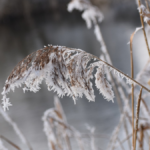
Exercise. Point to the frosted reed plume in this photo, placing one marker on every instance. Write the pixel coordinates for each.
(58, 131)
(93, 19)
(66, 71)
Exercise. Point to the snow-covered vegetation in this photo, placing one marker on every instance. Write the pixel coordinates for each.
(71, 72)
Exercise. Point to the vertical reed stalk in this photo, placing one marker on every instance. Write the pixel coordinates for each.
(142, 22)
(132, 92)
(133, 115)
(141, 137)
(137, 116)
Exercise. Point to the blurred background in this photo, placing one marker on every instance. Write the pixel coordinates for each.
(28, 25)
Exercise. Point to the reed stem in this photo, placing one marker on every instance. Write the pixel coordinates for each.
(137, 116)
(132, 92)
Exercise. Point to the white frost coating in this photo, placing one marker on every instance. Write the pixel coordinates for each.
(107, 70)
(2, 147)
(91, 14)
(14, 125)
(97, 33)
(137, 29)
(57, 129)
(59, 108)
(103, 85)
(75, 4)
(66, 71)
(99, 37)
(145, 13)
(126, 107)
(48, 129)
(92, 143)
(143, 76)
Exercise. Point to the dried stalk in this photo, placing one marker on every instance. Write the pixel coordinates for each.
(137, 116)
(11, 143)
(141, 137)
(132, 93)
(142, 22)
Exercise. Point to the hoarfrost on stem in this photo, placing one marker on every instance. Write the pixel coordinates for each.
(66, 71)
(145, 13)
(91, 14)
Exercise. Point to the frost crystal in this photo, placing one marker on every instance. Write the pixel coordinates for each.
(103, 85)
(91, 14)
(66, 71)
(145, 13)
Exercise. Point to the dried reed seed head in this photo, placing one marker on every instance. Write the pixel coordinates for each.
(65, 70)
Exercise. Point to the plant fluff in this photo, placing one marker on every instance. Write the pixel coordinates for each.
(66, 71)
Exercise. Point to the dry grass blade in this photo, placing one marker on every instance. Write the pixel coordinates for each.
(141, 137)
(11, 143)
(137, 116)
(132, 92)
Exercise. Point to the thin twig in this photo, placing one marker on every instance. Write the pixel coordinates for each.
(142, 22)
(133, 114)
(137, 116)
(132, 92)
(141, 137)
(11, 143)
